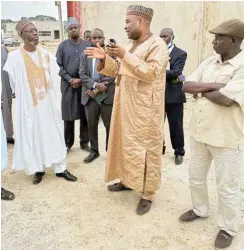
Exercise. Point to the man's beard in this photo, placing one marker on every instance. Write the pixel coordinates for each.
(75, 36)
(32, 43)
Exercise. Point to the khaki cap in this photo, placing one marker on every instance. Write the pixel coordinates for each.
(232, 28)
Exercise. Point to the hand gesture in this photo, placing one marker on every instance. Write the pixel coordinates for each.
(95, 52)
(115, 50)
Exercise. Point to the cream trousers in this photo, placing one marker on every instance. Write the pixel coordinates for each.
(228, 163)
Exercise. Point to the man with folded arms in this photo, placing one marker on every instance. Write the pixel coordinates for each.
(216, 130)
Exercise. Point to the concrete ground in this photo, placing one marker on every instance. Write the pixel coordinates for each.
(59, 215)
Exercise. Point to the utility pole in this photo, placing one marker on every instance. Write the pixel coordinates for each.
(58, 4)
(74, 10)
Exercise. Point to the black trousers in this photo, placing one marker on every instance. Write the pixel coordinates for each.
(174, 113)
(93, 111)
(69, 131)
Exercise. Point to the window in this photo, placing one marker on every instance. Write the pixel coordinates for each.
(44, 33)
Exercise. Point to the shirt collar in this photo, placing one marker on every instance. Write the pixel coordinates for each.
(235, 61)
(171, 48)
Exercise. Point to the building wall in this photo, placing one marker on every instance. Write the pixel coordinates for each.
(42, 26)
(10, 30)
(47, 27)
(189, 20)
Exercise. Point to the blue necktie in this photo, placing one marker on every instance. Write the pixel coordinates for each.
(95, 76)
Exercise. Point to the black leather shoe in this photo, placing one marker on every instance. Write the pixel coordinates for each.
(67, 176)
(178, 159)
(38, 177)
(91, 157)
(85, 147)
(10, 140)
(164, 149)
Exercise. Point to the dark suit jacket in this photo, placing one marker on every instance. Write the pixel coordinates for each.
(173, 92)
(86, 72)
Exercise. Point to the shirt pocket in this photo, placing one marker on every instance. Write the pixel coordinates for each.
(225, 75)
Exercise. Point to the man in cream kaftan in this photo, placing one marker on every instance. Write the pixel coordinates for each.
(135, 145)
(34, 79)
(136, 131)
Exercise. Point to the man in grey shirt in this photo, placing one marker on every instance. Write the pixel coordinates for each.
(6, 97)
(68, 59)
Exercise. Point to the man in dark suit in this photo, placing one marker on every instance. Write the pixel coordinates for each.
(97, 96)
(87, 35)
(174, 96)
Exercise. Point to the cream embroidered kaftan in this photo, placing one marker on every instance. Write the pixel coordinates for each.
(39, 136)
(136, 131)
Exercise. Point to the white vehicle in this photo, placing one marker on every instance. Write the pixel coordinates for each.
(11, 42)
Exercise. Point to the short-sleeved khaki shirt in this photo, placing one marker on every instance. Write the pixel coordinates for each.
(214, 124)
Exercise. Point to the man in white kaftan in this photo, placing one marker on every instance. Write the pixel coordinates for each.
(34, 78)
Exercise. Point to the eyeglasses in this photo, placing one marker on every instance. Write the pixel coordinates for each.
(73, 28)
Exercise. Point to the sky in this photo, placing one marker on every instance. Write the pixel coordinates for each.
(16, 9)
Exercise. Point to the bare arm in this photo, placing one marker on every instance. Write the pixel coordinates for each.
(199, 87)
(218, 98)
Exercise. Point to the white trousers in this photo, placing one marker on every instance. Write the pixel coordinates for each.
(58, 167)
(228, 163)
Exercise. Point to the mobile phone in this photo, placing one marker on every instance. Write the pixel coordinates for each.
(112, 41)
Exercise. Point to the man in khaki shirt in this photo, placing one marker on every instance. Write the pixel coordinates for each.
(217, 130)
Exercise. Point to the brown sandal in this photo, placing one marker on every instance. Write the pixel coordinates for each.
(143, 207)
(223, 240)
(6, 195)
(116, 187)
